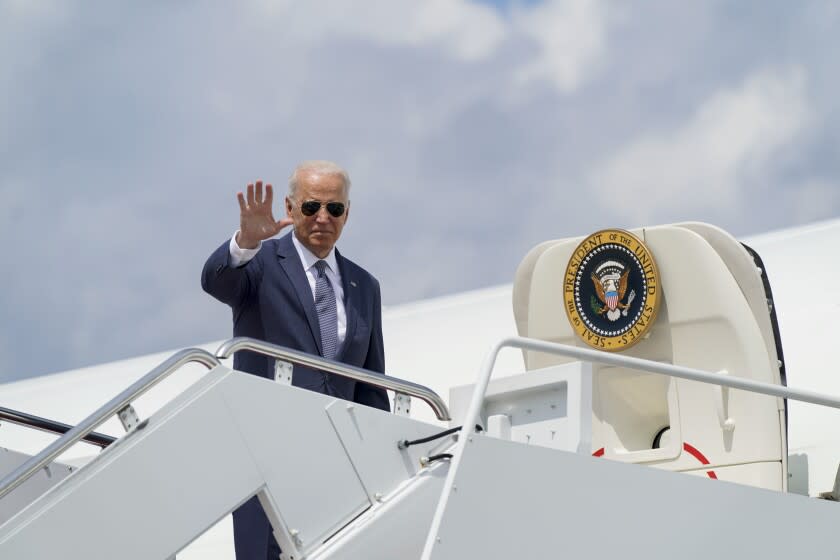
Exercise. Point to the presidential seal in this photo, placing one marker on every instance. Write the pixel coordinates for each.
(611, 290)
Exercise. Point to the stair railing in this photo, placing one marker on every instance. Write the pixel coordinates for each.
(595, 356)
(51, 426)
(403, 389)
(120, 405)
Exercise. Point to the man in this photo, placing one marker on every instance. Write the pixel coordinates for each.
(299, 292)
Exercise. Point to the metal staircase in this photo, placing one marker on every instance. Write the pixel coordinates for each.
(335, 483)
(315, 462)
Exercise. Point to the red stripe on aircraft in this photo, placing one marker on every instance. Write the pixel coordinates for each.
(688, 447)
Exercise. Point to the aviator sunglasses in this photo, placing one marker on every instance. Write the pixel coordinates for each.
(311, 207)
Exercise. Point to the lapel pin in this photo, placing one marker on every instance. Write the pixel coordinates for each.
(352, 283)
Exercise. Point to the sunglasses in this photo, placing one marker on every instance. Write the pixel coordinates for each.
(311, 207)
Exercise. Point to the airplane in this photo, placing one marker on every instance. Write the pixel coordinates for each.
(751, 315)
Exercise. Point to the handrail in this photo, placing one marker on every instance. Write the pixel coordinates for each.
(377, 379)
(666, 369)
(51, 426)
(118, 403)
(586, 354)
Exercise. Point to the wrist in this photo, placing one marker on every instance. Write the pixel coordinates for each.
(245, 243)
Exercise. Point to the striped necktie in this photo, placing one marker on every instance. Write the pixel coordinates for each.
(327, 313)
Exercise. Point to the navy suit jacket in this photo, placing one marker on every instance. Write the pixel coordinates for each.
(272, 301)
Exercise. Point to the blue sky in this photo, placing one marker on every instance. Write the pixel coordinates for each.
(472, 131)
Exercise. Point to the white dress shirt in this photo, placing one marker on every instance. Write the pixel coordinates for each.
(240, 256)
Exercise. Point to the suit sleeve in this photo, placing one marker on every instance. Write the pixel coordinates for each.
(229, 284)
(375, 361)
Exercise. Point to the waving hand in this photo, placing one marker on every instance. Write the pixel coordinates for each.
(256, 220)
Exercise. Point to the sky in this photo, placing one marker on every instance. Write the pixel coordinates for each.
(472, 130)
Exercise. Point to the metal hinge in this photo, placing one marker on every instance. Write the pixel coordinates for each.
(402, 404)
(283, 372)
(128, 417)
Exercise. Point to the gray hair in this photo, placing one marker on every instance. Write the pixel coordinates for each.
(320, 167)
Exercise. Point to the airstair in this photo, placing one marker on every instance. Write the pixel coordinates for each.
(336, 483)
(555, 461)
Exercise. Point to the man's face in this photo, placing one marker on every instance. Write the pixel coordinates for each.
(320, 231)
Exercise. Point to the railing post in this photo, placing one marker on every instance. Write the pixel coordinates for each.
(402, 404)
(283, 372)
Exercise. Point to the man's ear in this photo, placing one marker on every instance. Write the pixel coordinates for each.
(288, 207)
(347, 212)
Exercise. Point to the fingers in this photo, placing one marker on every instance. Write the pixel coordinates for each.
(250, 194)
(254, 196)
(269, 195)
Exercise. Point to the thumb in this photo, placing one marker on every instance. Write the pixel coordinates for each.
(280, 224)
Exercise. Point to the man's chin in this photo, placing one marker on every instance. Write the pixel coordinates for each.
(320, 244)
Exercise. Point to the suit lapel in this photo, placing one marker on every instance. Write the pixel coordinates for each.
(290, 262)
(350, 284)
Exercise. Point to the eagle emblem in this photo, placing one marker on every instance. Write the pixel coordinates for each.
(611, 290)
(611, 282)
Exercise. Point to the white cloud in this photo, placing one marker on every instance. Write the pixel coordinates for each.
(705, 162)
(472, 31)
(467, 30)
(571, 35)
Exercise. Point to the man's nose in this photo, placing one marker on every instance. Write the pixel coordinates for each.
(322, 215)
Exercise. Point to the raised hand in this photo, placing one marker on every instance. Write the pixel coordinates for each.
(256, 221)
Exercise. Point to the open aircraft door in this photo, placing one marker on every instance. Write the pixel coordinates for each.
(686, 294)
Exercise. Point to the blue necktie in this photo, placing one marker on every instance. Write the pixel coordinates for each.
(327, 313)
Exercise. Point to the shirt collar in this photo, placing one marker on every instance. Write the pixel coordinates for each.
(308, 258)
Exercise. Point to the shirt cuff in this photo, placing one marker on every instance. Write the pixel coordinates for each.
(240, 256)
